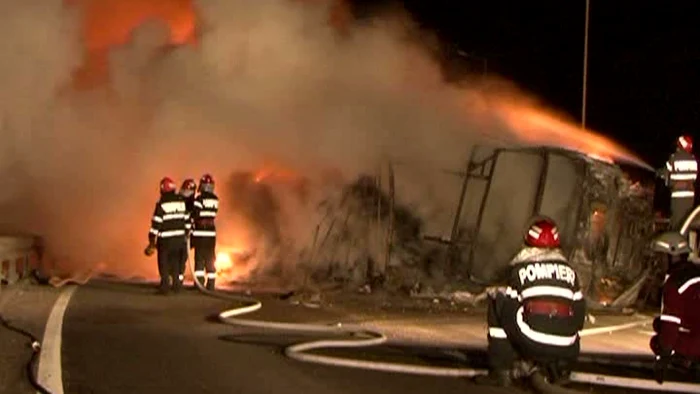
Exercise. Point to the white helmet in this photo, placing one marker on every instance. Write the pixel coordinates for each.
(671, 243)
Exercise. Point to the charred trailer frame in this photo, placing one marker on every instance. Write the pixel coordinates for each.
(605, 219)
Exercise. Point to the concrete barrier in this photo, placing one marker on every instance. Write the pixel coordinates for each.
(15, 255)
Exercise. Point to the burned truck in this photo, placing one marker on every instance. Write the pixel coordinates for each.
(372, 233)
(604, 212)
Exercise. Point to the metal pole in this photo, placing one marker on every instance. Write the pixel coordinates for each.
(585, 67)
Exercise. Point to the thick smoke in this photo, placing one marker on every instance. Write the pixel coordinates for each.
(267, 82)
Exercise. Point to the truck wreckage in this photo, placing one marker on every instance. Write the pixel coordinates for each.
(371, 237)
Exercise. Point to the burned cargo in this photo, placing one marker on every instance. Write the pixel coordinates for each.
(372, 232)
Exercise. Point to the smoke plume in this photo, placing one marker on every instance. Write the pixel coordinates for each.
(267, 83)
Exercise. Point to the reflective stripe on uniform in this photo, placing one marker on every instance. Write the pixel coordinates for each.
(685, 165)
(540, 291)
(173, 216)
(199, 273)
(670, 319)
(158, 219)
(540, 337)
(181, 277)
(172, 233)
(207, 214)
(153, 231)
(497, 332)
(203, 233)
(683, 194)
(687, 284)
(211, 275)
(683, 177)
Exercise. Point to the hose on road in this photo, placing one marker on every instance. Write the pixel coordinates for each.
(361, 338)
(36, 349)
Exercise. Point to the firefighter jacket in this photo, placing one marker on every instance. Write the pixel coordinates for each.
(189, 207)
(680, 174)
(679, 323)
(206, 207)
(552, 308)
(170, 221)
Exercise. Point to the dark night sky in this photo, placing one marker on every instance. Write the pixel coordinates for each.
(644, 59)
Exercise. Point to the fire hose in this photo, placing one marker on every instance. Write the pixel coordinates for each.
(360, 337)
(30, 366)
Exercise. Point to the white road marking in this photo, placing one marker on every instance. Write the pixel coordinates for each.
(49, 371)
(609, 329)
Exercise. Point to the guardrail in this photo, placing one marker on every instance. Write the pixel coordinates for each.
(15, 257)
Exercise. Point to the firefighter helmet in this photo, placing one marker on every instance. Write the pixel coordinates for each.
(542, 233)
(206, 183)
(685, 142)
(189, 186)
(167, 185)
(671, 243)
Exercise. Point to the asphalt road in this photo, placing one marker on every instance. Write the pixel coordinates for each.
(119, 338)
(125, 339)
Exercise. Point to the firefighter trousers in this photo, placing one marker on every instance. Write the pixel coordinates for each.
(172, 256)
(204, 258)
(508, 339)
(680, 209)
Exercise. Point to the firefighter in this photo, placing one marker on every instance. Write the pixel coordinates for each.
(206, 207)
(677, 339)
(187, 191)
(168, 235)
(538, 316)
(679, 175)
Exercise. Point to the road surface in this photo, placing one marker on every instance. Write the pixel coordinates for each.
(119, 338)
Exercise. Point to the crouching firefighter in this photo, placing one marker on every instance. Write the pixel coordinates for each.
(206, 207)
(168, 235)
(187, 191)
(538, 316)
(677, 339)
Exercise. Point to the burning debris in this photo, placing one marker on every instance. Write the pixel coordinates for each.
(366, 238)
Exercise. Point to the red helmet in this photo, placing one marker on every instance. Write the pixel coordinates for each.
(206, 179)
(167, 185)
(206, 183)
(189, 184)
(542, 233)
(685, 142)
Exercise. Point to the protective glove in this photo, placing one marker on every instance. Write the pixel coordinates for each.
(150, 249)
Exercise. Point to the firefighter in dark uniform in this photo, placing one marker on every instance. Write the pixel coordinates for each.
(677, 339)
(206, 207)
(187, 191)
(168, 235)
(680, 174)
(538, 316)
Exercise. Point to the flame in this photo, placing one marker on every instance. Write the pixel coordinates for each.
(108, 23)
(230, 263)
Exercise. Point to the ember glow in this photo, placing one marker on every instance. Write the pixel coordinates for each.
(232, 263)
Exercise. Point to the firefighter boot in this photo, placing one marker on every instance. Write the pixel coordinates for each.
(211, 283)
(164, 287)
(496, 377)
(177, 283)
